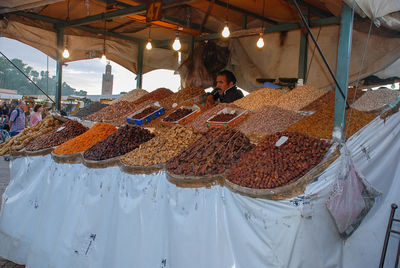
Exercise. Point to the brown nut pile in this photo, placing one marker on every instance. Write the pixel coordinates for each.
(113, 112)
(145, 112)
(260, 98)
(320, 124)
(156, 95)
(269, 166)
(200, 122)
(375, 99)
(223, 117)
(268, 120)
(27, 135)
(124, 140)
(178, 114)
(330, 98)
(211, 154)
(182, 95)
(167, 143)
(299, 97)
(131, 96)
(90, 109)
(66, 131)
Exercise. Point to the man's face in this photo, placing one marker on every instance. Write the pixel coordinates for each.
(222, 83)
(22, 105)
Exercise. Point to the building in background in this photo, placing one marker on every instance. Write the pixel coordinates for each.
(108, 78)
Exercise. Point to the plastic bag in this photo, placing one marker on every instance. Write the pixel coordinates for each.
(352, 197)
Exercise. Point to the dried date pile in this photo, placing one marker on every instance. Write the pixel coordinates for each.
(90, 109)
(213, 153)
(182, 95)
(124, 140)
(223, 117)
(145, 112)
(156, 95)
(178, 114)
(66, 131)
(269, 165)
(167, 143)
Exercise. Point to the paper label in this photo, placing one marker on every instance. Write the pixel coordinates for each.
(281, 141)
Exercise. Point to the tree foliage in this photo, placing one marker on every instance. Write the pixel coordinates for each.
(11, 78)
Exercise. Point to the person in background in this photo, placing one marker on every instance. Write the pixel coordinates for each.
(37, 114)
(226, 90)
(4, 111)
(17, 119)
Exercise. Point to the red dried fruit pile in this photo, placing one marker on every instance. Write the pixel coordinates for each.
(269, 166)
(222, 117)
(145, 113)
(178, 114)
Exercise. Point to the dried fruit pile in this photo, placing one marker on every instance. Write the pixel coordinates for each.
(268, 120)
(131, 96)
(299, 97)
(200, 122)
(375, 99)
(112, 113)
(145, 112)
(330, 98)
(182, 95)
(97, 133)
(223, 117)
(269, 166)
(211, 154)
(156, 95)
(320, 124)
(27, 135)
(167, 143)
(259, 98)
(90, 109)
(178, 114)
(124, 140)
(66, 131)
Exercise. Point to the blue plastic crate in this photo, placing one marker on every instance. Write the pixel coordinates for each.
(147, 119)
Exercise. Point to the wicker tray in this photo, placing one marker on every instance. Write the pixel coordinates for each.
(112, 162)
(195, 181)
(41, 152)
(140, 169)
(291, 190)
(67, 158)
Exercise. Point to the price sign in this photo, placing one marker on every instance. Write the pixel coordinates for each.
(154, 10)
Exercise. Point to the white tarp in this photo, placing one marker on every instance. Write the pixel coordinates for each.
(66, 215)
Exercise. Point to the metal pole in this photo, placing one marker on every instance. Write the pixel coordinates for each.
(60, 41)
(139, 75)
(303, 56)
(389, 227)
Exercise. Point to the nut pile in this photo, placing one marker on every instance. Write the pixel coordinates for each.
(178, 114)
(330, 98)
(375, 99)
(223, 117)
(156, 95)
(27, 135)
(211, 154)
(166, 144)
(90, 109)
(182, 95)
(299, 97)
(124, 140)
(200, 122)
(131, 96)
(320, 124)
(145, 112)
(268, 120)
(113, 112)
(97, 133)
(66, 131)
(269, 166)
(260, 98)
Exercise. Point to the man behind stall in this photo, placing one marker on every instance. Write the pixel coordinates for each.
(226, 90)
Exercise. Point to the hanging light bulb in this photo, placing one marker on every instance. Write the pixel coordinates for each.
(148, 45)
(177, 44)
(65, 53)
(103, 59)
(260, 42)
(225, 32)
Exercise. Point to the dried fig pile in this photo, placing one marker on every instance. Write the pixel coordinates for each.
(269, 165)
(211, 154)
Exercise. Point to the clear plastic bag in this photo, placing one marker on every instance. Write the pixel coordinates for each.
(352, 197)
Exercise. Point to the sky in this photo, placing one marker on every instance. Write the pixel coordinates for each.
(87, 74)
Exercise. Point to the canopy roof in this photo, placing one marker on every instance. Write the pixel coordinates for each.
(119, 27)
